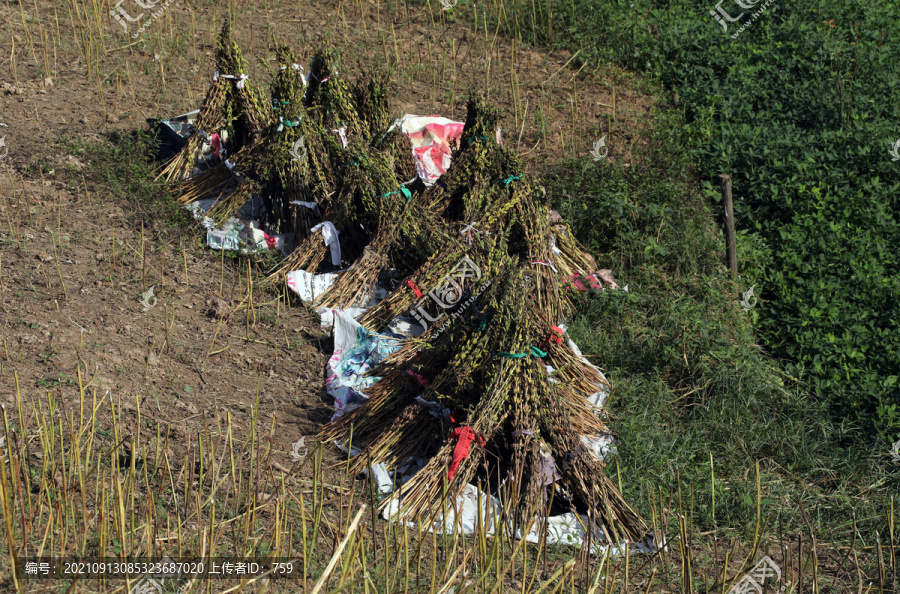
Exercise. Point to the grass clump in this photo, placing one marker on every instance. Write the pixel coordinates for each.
(122, 169)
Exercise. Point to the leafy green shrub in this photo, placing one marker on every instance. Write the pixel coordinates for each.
(690, 384)
(800, 108)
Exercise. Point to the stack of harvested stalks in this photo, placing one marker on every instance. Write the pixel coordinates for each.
(232, 104)
(479, 243)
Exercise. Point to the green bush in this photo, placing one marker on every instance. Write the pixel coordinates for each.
(691, 387)
(801, 109)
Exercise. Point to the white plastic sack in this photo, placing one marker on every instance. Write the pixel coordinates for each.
(309, 286)
(227, 237)
(330, 235)
(601, 445)
(474, 508)
(468, 507)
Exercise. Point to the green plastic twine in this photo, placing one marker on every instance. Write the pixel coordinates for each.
(511, 179)
(403, 191)
(283, 122)
(473, 138)
(510, 355)
(538, 352)
(535, 352)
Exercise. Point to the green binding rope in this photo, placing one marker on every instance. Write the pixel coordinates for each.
(535, 352)
(511, 179)
(484, 323)
(510, 355)
(403, 191)
(288, 123)
(474, 138)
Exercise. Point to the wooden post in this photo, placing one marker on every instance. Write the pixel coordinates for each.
(730, 241)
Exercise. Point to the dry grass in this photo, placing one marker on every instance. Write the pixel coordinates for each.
(84, 475)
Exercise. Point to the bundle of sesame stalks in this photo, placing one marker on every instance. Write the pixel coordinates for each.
(212, 113)
(490, 369)
(378, 218)
(297, 156)
(331, 96)
(231, 104)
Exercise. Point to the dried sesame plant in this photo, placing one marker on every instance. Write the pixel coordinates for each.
(481, 245)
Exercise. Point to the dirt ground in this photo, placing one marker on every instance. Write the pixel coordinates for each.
(71, 304)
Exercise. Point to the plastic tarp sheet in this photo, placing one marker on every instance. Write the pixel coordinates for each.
(352, 359)
(430, 137)
(356, 351)
(474, 508)
(601, 445)
(310, 286)
(240, 234)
